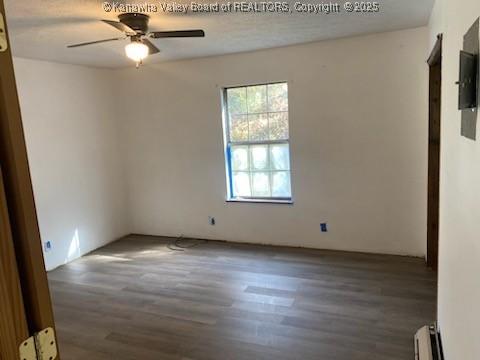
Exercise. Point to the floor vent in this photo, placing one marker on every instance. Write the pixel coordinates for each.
(428, 345)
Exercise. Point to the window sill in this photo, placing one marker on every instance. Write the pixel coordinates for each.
(261, 201)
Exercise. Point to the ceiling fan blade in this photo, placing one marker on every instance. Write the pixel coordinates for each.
(95, 42)
(121, 26)
(177, 34)
(152, 49)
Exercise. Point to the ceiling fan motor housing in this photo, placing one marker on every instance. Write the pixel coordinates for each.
(136, 21)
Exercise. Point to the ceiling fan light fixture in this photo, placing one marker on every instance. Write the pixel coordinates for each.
(134, 27)
(136, 51)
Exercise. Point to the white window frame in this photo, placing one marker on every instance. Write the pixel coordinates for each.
(228, 143)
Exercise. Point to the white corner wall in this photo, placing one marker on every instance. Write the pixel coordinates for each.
(459, 265)
(358, 120)
(70, 124)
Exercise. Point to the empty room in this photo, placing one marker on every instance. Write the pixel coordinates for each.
(239, 180)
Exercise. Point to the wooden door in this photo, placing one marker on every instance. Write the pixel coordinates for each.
(435, 87)
(25, 306)
(13, 321)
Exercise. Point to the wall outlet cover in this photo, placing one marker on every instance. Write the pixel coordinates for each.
(211, 220)
(323, 227)
(47, 246)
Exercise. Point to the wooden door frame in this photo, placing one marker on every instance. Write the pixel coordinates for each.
(434, 130)
(13, 321)
(26, 253)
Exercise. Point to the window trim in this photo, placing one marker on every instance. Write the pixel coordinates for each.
(228, 143)
(257, 200)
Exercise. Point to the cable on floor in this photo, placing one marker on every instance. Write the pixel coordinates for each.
(177, 245)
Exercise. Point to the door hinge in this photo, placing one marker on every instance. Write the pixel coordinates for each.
(3, 34)
(41, 346)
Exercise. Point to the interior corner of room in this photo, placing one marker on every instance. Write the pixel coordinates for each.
(261, 195)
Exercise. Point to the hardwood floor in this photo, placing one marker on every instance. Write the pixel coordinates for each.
(137, 299)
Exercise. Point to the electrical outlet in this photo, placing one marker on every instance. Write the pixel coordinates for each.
(47, 245)
(323, 227)
(211, 220)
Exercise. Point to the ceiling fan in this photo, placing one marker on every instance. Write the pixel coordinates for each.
(135, 27)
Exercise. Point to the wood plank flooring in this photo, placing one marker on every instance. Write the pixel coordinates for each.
(137, 299)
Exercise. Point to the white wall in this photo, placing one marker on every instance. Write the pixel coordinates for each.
(105, 164)
(70, 124)
(459, 267)
(358, 120)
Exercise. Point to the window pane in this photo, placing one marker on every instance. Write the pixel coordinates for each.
(239, 158)
(278, 126)
(257, 99)
(280, 157)
(237, 101)
(281, 184)
(260, 184)
(258, 127)
(238, 127)
(258, 133)
(241, 184)
(259, 157)
(278, 97)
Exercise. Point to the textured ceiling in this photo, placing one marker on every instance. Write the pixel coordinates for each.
(41, 29)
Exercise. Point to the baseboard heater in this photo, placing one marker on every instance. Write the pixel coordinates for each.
(428, 344)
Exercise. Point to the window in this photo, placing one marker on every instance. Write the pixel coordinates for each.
(257, 142)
